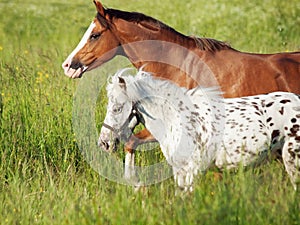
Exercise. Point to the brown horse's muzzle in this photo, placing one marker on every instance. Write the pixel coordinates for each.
(74, 68)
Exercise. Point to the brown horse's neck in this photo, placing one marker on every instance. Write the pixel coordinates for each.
(131, 27)
(165, 52)
(141, 28)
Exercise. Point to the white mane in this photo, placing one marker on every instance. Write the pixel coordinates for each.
(143, 85)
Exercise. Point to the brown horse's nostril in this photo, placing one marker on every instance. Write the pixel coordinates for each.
(76, 64)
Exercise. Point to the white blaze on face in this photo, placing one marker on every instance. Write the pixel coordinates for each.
(67, 63)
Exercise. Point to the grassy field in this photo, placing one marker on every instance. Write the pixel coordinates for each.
(44, 179)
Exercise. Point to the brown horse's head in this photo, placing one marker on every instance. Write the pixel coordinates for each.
(97, 46)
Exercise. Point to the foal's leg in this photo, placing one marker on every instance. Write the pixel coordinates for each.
(130, 175)
(183, 180)
(291, 159)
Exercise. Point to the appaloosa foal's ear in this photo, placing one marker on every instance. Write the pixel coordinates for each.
(100, 8)
(122, 82)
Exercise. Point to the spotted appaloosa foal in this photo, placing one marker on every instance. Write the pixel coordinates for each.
(261, 123)
(199, 128)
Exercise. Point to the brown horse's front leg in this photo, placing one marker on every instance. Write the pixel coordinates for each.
(142, 137)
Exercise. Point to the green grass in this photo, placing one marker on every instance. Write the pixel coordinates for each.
(44, 179)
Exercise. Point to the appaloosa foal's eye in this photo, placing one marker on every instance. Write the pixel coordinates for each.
(117, 109)
(95, 36)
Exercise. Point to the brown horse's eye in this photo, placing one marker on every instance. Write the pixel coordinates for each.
(95, 36)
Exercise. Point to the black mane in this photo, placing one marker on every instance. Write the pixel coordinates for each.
(206, 44)
(138, 18)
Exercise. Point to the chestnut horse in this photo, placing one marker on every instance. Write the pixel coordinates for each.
(114, 32)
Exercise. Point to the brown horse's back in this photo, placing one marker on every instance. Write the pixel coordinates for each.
(237, 73)
(243, 74)
(288, 67)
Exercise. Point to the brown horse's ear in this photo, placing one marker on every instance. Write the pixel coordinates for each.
(122, 82)
(100, 8)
